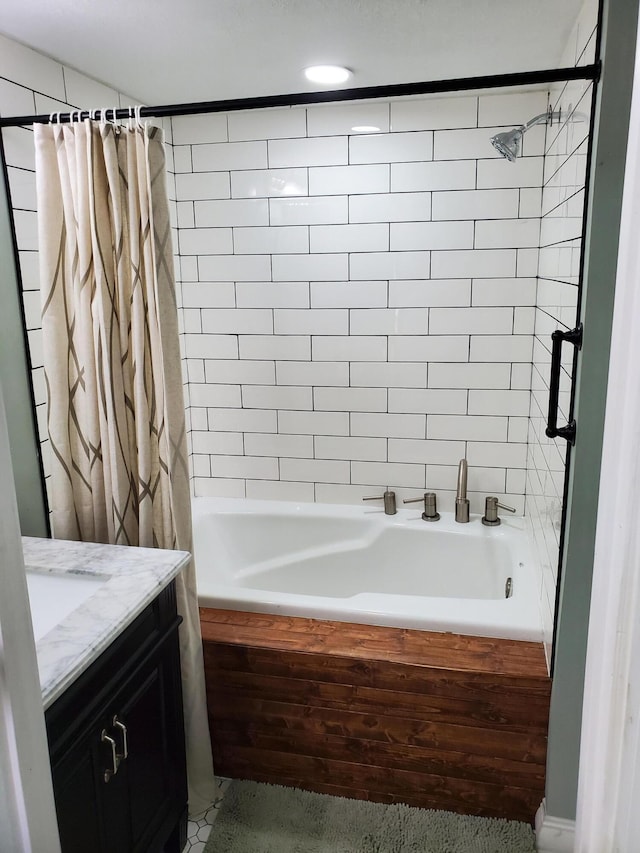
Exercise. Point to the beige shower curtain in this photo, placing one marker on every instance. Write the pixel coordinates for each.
(116, 414)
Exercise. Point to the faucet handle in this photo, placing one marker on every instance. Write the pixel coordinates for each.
(430, 509)
(490, 517)
(389, 499)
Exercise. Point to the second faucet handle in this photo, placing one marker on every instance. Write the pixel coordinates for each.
(491, 517)
(430, 506)
(389, 499)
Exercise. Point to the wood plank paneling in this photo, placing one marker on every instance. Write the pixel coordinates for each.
(443, 792)
(423, 648)
(394, 755)
(384, 714)
(384, 675)
(505, 711)
(517, 746)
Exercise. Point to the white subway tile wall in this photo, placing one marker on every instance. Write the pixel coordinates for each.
(359, 307)
(562, 207)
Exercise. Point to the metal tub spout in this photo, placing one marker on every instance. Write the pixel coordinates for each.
(462, 503)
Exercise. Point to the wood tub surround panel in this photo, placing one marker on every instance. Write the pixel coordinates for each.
(433, 720)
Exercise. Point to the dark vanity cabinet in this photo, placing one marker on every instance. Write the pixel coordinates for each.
(116, 741)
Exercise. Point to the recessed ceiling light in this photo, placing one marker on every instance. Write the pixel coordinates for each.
(329, 75)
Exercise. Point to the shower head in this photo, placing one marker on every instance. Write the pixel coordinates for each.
(508, 142)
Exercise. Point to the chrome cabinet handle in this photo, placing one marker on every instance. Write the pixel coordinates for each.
(118, 724)
(110, 771)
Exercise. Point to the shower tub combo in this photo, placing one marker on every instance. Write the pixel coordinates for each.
(373, 656)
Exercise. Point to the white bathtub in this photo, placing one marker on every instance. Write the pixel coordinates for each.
(355, 564)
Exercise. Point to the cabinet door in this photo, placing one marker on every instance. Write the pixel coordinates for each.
(149, 709)
(92, 812)
(77, 795)
(133, 694)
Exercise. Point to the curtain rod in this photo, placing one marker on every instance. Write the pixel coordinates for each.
(394, 90)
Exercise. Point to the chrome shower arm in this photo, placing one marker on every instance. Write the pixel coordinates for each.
(544, 118)
(509, 141)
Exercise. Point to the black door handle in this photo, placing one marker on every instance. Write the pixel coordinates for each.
(568, 432)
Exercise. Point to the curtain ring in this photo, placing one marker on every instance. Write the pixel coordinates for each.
(132, 114)
(54, 118)
(139, 117)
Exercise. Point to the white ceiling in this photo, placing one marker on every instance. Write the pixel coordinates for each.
(171, 51)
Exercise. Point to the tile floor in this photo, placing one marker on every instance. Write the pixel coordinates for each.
(198, 830)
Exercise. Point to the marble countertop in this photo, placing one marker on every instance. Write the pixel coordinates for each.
(133, 577)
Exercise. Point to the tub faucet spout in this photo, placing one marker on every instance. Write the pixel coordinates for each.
(462, 503)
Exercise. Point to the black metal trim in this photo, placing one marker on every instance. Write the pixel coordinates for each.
(25, 338)
(394, 90)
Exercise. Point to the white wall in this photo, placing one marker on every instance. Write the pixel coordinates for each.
(27, 811)
(563, 198)
(358, 306)
(609, 784)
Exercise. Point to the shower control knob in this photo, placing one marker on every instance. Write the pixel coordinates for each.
(491, 517)
(430, 506)
(389, 499)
